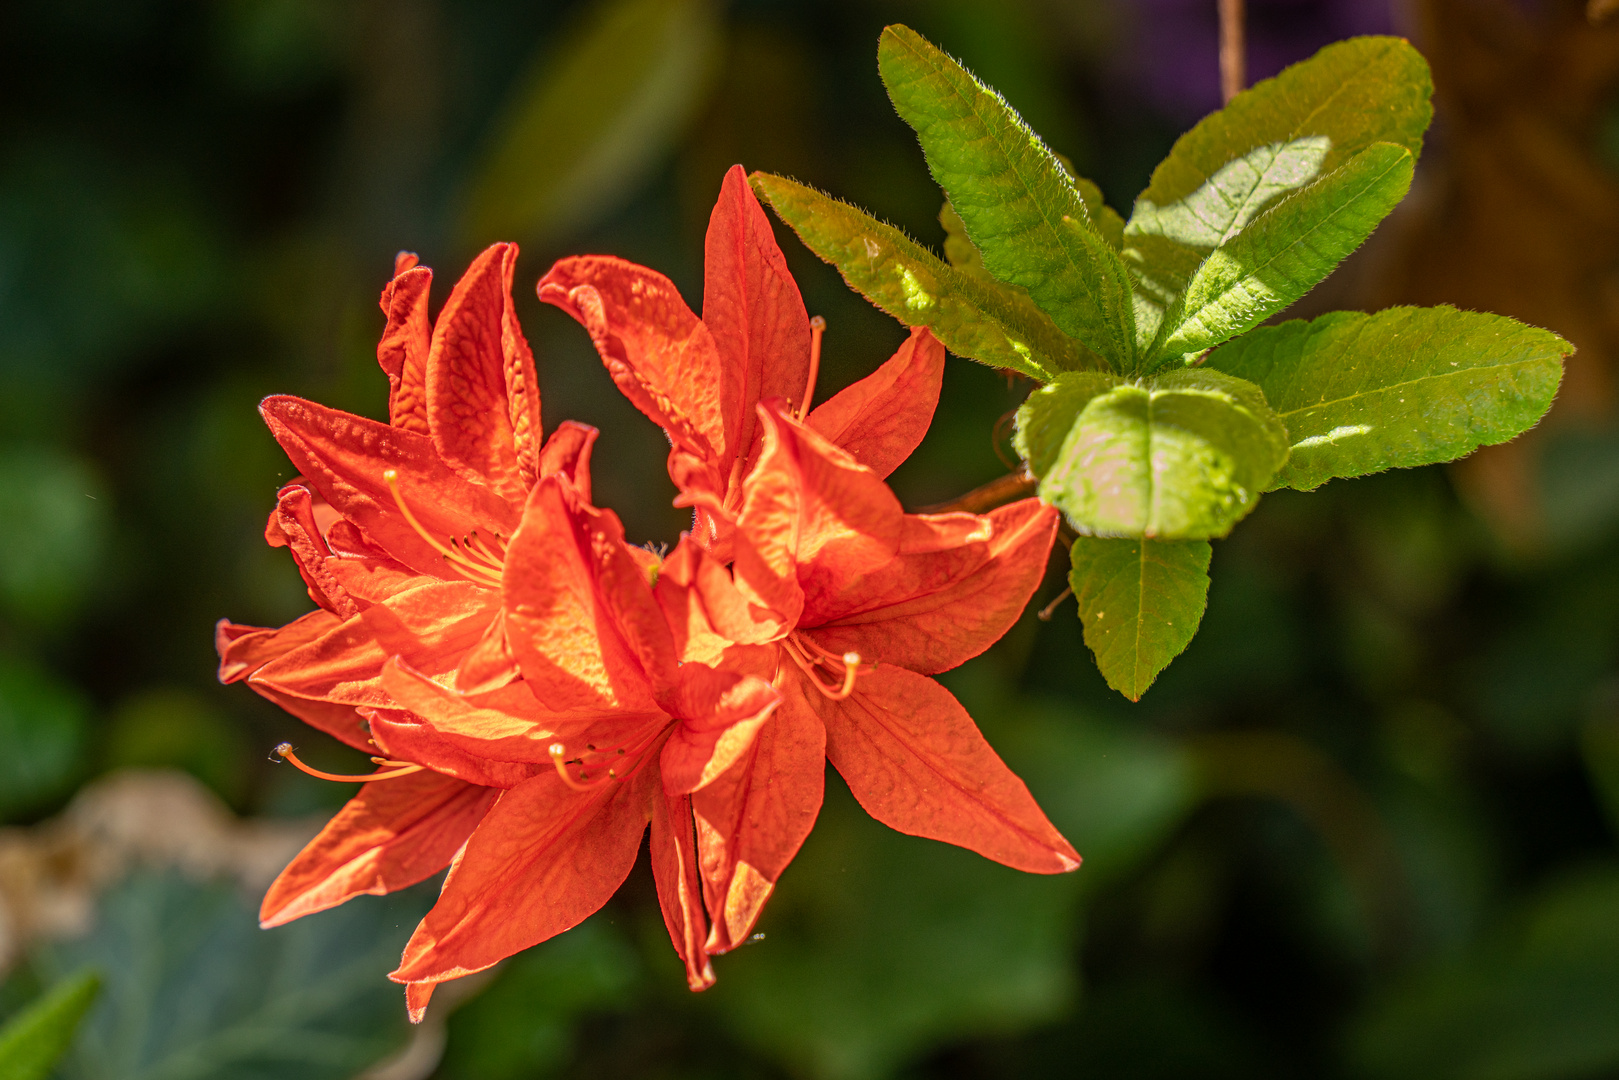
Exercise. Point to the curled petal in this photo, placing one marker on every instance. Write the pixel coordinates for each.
(932, 610)
(344, 458)
(391, 835)
(567, 454)
(660, 354)
(720, 714)
(680, 889)
(403, 737)
(402, 352)
(881, 419)
(916, 761)
(483, 398)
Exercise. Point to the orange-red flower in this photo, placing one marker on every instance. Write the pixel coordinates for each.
(398, 530)
(832, 592)
(625, 736)
(701, 379)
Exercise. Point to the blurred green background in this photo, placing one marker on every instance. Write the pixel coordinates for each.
(1364, 828)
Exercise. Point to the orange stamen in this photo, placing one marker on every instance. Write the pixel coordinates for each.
(404, 768)
(794, 646)
(817, 328)
(487, 573)
(561, 761)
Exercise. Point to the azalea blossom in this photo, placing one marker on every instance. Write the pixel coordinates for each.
(804, 569)
(399, 530)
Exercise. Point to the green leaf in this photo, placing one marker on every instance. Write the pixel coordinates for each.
(1407, 386)
(974, 316)
(1273, 138)
(193, 987)
(593, 116)
(1179, 457)
(1286, 251)
(32, 1041)
(1019, 203)
(1140, 601)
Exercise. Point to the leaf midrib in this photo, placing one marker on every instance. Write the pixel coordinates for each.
(1391, 387)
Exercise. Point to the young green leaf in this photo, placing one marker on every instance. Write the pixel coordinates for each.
(973, 315)
(1140, 601)
(1273, 138)
(1018, 202)
(1180, 457)
(33, 1040)
(1284, 252)
(1407, 386)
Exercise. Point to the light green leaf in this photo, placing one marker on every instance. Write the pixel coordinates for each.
(1407, 386)
(1275, 137)
(1018, 201)
(1140, 601)
(1044, 420)
(33, 1040)
(1179, 457)
(973, 315)
(1284, 252)
(593, 116)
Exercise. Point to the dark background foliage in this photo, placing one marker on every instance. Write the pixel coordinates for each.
(1363, 828)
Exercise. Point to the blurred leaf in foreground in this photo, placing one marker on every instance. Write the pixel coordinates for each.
(42, 727)
(593, 116)
(1539, 1001)
(33, 1040)
(195, 989)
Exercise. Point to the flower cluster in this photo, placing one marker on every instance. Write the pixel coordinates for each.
(536, 691)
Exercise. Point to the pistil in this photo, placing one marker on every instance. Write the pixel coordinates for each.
(817, 328)
(808, 656)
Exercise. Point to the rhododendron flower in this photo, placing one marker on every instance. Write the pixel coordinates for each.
(832, 592)
(626, 735)
(701, 379)
(398, 532)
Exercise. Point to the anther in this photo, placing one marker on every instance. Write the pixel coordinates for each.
(401, 768)
(817, 328)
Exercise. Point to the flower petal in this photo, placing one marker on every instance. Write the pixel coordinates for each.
(483, 398)
(567, 453)
(660, 354)
(753, 819)
(243, 650)
(720, 713)
(402, 352)
(752, 307)
(343, 458)
(580, 615)
(431, 627)
(882, 418)
(400, 736)
(932, 610)
(543, 860)
(680, 890)
(809, 509)
(916, 761)
(391, 835)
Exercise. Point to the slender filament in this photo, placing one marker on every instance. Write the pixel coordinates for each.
(817, 328)
(478, 563)
(798, 649)
(403, 768)
(561, 759)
